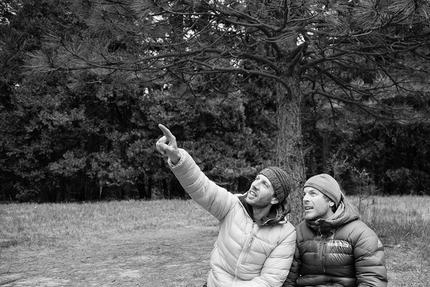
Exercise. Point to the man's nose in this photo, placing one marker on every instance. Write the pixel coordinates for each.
(255, 184)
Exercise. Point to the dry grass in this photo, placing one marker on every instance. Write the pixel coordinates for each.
(168, 242)
(403, 224)
(55, 224)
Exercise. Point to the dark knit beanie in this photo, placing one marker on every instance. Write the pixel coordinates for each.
(326, 185)
(279, 180)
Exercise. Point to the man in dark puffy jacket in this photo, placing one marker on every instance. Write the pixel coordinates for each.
(334, 247)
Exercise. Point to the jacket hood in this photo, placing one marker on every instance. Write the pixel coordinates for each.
(278, 213)
(345, 213)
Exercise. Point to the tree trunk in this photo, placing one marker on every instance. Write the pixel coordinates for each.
(326, 154)
(289, 153)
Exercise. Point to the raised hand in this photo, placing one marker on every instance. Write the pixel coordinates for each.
(167, 146)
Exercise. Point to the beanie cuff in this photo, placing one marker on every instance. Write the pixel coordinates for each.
(279, 181)
(322, 190)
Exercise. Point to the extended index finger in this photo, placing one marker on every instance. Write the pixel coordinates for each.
(167, 133)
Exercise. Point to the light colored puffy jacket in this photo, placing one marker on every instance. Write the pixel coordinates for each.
(245, 254)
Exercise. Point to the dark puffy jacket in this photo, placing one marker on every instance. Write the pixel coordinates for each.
(340, 251)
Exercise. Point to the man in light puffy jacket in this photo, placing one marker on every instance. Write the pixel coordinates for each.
(334, 247)
(255, 244)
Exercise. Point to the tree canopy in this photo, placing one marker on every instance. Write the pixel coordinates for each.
(243, 84)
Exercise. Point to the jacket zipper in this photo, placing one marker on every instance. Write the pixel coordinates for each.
(322, 248)
(246, 247)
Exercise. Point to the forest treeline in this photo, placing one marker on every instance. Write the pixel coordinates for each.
(82, 89)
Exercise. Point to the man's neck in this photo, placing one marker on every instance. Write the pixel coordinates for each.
(258, 213)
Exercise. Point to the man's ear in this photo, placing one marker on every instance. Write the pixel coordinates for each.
(274, 201)
(331, 203)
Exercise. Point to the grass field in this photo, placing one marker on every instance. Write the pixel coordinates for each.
(168, 242)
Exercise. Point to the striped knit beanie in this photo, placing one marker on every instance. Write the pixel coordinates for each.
(279, 180)
(326, 185)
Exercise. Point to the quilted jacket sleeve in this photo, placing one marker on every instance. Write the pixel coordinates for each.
(369, 258)
(294, 270)
(277, 265)
(215, 199)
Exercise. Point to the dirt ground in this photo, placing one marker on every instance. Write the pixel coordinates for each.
(148, 258)
(156, 258)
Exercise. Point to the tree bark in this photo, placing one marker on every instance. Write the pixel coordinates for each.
(289, 153)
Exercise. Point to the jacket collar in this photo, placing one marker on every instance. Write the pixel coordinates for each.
(345, 213)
